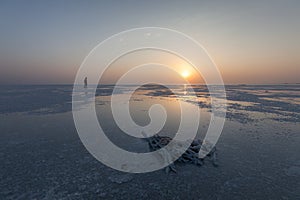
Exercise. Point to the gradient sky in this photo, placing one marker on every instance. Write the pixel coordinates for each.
(254, 42)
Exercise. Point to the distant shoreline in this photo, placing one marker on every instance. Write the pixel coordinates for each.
(252, 84)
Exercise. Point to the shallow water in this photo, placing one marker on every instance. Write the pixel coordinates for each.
(43, 157)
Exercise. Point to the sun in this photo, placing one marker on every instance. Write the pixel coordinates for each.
(185, 74)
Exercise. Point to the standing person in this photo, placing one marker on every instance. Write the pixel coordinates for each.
(85, 82)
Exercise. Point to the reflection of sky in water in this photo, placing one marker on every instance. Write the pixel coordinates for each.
(139, 106)
(245, 102)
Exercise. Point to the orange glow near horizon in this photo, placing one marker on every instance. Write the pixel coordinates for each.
(176, 70)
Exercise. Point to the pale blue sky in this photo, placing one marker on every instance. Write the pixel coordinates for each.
(250, 41)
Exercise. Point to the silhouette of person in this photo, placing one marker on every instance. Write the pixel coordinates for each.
(85, 82)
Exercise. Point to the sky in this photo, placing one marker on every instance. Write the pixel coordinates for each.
(251, 42)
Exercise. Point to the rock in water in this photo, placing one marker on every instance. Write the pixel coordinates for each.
(191, 155)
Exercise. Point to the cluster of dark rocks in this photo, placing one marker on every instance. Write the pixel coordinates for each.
(191, 155)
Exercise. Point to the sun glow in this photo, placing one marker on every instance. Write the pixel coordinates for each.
(185, 74)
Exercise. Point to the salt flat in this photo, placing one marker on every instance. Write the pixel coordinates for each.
(42, 156)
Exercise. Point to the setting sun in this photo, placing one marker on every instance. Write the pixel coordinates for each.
(185, 74)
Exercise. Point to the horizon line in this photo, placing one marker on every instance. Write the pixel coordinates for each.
(132, 84)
